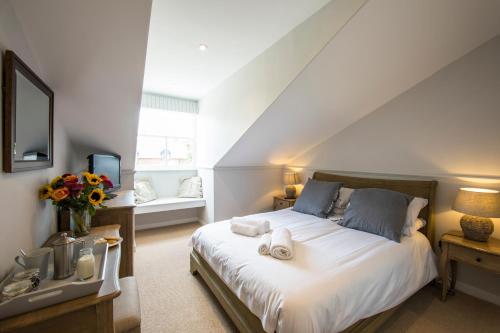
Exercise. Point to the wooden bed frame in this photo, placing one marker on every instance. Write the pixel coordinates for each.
(247, 322)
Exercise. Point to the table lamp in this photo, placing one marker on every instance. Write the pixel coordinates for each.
(479, 205)
(290, 181)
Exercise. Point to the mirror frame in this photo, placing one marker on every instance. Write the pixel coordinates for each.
(13, 63)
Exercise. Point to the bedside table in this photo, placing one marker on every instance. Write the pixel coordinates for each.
(280, 202)
(456, 248)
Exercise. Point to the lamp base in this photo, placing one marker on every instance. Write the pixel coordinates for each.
(476, 228)
(290, 192)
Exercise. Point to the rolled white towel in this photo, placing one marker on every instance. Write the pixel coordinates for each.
(281, 244)
(263, 225)
(244, 229)
(264, 244)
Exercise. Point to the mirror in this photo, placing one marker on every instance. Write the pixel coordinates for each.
(28, 118)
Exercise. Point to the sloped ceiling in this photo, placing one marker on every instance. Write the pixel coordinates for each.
(92, 53)
(444, 125)
(227, 111)
(388, 47)
(235, 31)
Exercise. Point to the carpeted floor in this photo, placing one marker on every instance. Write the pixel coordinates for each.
(172, 300)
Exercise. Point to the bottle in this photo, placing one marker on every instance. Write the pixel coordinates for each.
(85, 265)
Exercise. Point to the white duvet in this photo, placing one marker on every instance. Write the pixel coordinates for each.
(337, 276)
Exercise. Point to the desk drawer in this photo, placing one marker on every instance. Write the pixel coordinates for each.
(476, 258)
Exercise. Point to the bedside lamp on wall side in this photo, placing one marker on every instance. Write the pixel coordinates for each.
(479, 205)
(290, 179)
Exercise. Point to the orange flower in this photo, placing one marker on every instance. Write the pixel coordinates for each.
(71, 178)
(60, 194)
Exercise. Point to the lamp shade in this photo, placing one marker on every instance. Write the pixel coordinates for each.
(478, 202)
(290, 178)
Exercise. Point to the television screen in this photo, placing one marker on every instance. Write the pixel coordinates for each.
(108, 165)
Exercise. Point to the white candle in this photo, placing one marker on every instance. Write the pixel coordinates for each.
(85, 267)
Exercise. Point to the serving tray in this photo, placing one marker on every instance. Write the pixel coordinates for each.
(57, 291)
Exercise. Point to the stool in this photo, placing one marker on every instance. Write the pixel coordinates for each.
(126, 307)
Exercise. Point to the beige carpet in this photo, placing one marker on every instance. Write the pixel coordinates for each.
(173, 300)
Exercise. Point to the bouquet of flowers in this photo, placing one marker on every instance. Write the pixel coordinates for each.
(81, 195)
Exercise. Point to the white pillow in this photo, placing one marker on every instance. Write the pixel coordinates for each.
(414, 208)
(341, 203)
(419, 224)
(144, 191)
(344, 197)
(190, 188)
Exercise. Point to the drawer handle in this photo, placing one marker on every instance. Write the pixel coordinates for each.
(478, 259)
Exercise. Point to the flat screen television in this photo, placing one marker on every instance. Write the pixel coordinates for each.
(106, 164)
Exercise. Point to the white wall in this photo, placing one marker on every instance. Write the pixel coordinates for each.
(227, 111)
(26, 222)
(94, 51)
(236, 31)
(445, 128)
(245, 190)
(385, 49)
(239, 191)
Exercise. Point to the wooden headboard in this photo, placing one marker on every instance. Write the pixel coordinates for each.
(417, 188)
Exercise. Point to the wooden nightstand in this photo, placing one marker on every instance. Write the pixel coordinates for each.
(280, 202)
(456, 248)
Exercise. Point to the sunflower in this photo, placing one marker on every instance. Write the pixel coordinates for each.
(92, 178)
(96, 197)
(45, 192)
(56, 182)
(59, 194)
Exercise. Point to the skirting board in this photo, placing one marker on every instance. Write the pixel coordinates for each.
(164, 223)
(478, 293)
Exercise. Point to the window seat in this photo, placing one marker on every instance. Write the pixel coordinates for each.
(166, 204)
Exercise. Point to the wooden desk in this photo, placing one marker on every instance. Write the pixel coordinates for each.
(120, 211)
(92, 313)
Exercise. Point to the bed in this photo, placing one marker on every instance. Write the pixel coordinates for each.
(340, 279)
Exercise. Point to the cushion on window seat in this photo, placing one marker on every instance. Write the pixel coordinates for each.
(166, 204)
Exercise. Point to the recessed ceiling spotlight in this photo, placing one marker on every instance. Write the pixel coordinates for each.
(203, 47)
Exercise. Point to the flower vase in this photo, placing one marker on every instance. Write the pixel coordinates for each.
(80, 222)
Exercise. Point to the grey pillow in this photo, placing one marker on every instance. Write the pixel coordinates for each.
(377, 211)
(317, 198)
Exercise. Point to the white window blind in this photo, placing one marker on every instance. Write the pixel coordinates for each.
(163, 102)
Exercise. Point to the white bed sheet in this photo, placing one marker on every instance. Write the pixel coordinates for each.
(337, 277)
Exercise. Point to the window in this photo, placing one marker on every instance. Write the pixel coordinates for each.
(166, 139)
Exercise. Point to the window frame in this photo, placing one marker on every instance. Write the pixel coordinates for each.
(190, 167)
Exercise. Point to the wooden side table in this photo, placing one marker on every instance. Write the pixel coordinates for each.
(456, 248)
(280, 202)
